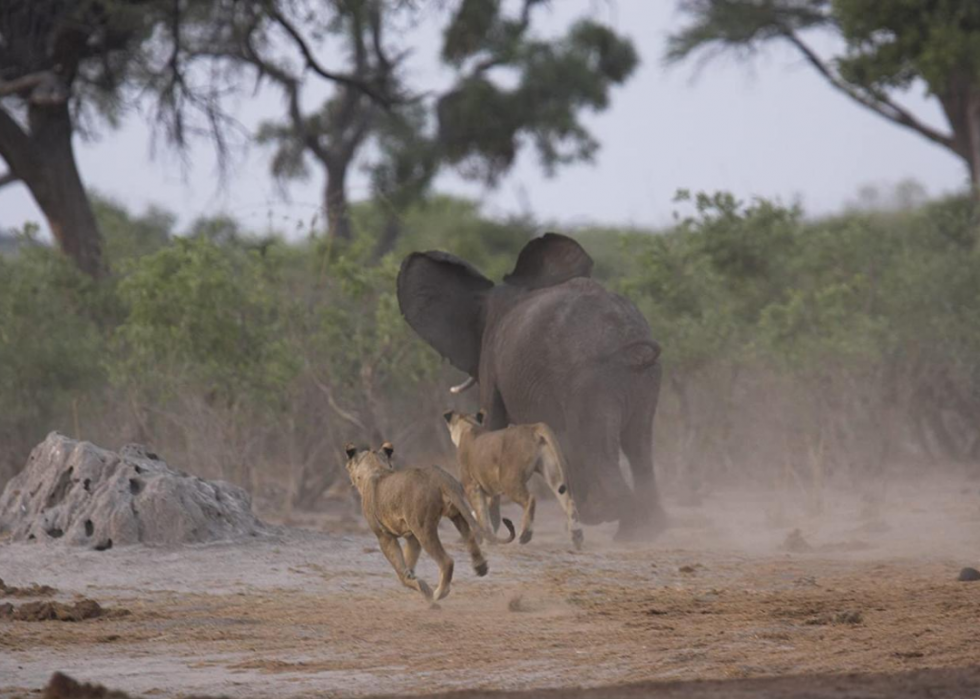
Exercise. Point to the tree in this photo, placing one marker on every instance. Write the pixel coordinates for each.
(887, 47)
(508, 88)
(69, 66)
(333, 135)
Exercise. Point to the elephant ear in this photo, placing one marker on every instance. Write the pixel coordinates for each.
(442, 298)
(549, 260)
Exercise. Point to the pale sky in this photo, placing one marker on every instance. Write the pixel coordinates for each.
(772, 128)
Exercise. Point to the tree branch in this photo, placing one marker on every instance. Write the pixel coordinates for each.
(8, 178)
(15, 145)
(314, 65)
(498, 60)
(291, 86)
(22, 84)
(877, 102)
(43, 87)
(343, 414)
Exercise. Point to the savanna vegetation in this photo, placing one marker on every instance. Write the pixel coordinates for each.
(797, 352)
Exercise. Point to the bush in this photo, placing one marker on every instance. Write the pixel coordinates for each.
(50, 349)
(794, 350)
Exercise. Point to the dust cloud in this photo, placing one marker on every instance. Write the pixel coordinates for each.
(748, 582)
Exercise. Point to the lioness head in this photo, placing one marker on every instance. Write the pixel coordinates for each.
(460, 423)
(363, 464)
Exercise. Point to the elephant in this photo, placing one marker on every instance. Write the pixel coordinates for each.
(550, 344)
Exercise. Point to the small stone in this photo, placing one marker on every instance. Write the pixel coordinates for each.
(969, 575)
(795, 543)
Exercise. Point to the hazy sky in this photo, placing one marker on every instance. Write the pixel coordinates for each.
(774, 129)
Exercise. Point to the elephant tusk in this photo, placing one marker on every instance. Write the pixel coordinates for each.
(463, 386)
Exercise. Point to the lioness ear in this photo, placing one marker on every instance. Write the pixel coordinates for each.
(387, 449)
(448, 416)
(350, 450)
(481, 414)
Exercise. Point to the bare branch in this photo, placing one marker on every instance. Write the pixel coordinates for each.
(8, 178)
(15, 144)
(357, 83)
(498, 60)
(21, 84)
(291, 86)
(43, 87)
(875, 101)
(374, 18)
(343, 414)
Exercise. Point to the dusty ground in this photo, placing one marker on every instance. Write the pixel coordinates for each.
(317, 610)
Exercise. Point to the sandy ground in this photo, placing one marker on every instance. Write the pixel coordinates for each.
(316, 610)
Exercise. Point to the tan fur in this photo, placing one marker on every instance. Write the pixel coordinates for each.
(501, 462)
(410, 504)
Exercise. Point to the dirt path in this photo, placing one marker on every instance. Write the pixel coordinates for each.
(319, 612)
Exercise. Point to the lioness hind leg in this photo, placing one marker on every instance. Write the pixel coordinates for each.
(412, 550)
(469, 536)
(477, 498)
(556, 481)
(523, 498)
(393, 552)
(429, 538)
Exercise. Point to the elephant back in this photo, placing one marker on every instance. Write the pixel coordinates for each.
(575, 323)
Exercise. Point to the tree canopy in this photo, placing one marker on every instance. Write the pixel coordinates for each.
(70, 68)
(509, 88)
(887, 47)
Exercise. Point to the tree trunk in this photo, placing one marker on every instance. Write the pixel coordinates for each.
(335, 201)
(961, 104)
(389, 236)
(53, 179)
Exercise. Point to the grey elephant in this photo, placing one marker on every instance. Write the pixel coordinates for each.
(551, 345)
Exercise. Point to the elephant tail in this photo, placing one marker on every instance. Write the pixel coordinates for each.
(639, 354)
(452, 493)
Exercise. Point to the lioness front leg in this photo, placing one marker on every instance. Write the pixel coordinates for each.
(393, 552)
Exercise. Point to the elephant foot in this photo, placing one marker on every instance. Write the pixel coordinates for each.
(645, 528)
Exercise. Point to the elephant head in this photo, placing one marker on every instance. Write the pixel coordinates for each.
(449, 303)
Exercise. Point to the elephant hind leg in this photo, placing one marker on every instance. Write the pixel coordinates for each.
(646, 517)
(591, 449)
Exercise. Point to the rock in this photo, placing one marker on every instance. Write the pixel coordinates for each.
(34, 590)
(795, 543)
(969, 575)
(64, 687)
(57, 611)
(77, 493)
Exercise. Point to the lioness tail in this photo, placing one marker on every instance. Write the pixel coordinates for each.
(454, 492)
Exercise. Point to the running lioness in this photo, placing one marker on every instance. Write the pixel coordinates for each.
(410, 504)
(501, 462)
